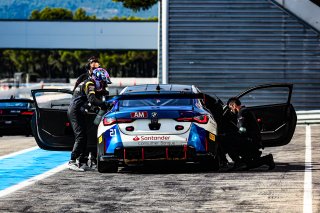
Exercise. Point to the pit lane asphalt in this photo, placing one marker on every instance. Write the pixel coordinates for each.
(10, 144)
(179, 188)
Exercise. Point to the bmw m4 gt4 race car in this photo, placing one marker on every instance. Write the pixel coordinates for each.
(162, 122)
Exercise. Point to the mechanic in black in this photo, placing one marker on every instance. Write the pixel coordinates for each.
(89, 96)
(243, 146)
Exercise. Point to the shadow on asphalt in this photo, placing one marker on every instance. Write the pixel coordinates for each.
(294, 167)
(282, 167)
(166, 168)
(181, 168)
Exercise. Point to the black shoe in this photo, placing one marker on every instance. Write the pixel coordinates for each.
(270, 162)
(224, 166)
(239, 166)
(259, 153)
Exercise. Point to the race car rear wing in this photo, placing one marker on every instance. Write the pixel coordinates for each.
(157, 95)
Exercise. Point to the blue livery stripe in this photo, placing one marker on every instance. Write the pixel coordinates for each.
(197, 138)
(112, 139)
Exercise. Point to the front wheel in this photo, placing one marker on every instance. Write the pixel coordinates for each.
(107, 166)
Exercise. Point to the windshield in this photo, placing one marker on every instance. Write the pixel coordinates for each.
(155, 102)
(4, 105)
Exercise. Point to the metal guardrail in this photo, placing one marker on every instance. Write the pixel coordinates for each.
(308, 117)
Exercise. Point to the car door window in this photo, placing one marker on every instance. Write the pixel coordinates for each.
(266, 96)
(274, 113)
(53, 100)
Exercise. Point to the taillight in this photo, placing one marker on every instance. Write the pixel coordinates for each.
(108, 121)
(27, 113)
(201, 119)
(185, 119)
(124, 120)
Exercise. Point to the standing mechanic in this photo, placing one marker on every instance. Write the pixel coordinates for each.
(89, 95)
(243, 146)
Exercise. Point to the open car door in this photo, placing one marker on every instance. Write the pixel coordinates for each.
(50, 124)
(273, 110)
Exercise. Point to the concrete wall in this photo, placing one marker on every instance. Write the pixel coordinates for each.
(78, 35)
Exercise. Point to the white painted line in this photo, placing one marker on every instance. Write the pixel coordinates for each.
(307, 198)
(30, 181)
(19, 152)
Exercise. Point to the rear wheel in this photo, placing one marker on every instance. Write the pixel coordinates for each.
(107, 166)
(211, 163)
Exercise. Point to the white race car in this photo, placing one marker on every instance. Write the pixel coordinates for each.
(161, 122)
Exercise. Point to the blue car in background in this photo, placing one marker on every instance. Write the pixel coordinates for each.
(166, 122)
(15, 116)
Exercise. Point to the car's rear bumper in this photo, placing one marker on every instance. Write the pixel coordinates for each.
(136, 155)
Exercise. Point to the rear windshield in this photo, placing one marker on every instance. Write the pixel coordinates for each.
(10, 105)
(155, 102)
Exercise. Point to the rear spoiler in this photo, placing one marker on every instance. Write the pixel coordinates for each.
(158, 95)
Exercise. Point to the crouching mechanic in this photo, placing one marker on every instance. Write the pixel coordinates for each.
(89, 95)
(243, 146)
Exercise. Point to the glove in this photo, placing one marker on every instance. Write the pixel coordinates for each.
(99, 117)
(242, 130)
(108, 81)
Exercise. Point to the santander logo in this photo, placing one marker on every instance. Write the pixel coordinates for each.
(152, 138)
(136, 138)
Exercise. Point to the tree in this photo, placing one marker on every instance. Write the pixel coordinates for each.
(7, 68)
(52, 14)
(35, 15)
(60, 14)
(137, 5)
(19, 59)
(133, 18)
(80, 14)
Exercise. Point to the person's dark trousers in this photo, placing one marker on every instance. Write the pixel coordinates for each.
(236, 145)
(260, 161)
(78, 123)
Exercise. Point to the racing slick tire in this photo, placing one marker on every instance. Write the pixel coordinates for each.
(211, 163)
(107, 166)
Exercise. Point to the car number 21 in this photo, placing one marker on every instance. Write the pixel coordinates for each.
(113, 132)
